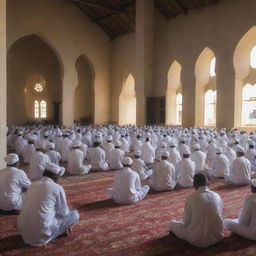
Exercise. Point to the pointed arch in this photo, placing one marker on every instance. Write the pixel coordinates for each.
(205, 81)
(127, 102)
(174, 88)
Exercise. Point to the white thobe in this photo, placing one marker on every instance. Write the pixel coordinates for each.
(54, 156)
(107, 148)
(43, 209)
(28, 152)
(115, 160)
(250, 154)
(140, 167)
(240, 172)
(97, 159)
(183, 148)
(147, 153)
(231, 155)
(202, 224)
(163, 177)
(174, 156)
(37, 165)
(127, 187)
(76, 162)
(125, 146)
(245, 225)
(65, 148)
(20, 144)
(12, 181)
(199, 158)
(220, 166)
(58, 143)
(185, 172)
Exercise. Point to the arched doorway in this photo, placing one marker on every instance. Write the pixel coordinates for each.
(33, 74)
(127, 102)
(84, 93)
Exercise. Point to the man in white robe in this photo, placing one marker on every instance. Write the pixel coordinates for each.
(202, 225)
(76, 160)
(116, 157)
(140, 167)
(20, 144)
(250, 154)
(199, 157)
(127, 187)
(29, 150)
(97, 158)
(45, 214)
(164, 176)
(65, 147)
(230, 154)
(245, 225)
(185, 170)
(174, 155)
(107, 147)
(54, 156)
(12, 183)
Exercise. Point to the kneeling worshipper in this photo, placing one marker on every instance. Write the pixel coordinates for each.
(220, 165)
(76, 160)
(202, 225)
(185, 170)
(199, 157)
(13, 182)
(127, 187)
(45, 214)
(107, 147)
(245, 224)
(54, 156)
(163, 177)
(240, 170)
(116, 156)
(29, 149)
(140, 167)
(148, 152)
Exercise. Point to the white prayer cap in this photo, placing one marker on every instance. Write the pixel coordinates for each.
(251, 143)
(239, 149)
(11, 159)
(196, 146)
(76, 143)
(50, 145)
(55, 169)
(127, 161)
(165, 153)
(186, 151)
(253, 182)
(59, 133)
(109, 138)
(164, 145)
(118, 143)
(39, 145)
(98, 134)
(172, 144)
(20, 132)
(46, 133)
(137, 152)
(218, 150)
(32, 137)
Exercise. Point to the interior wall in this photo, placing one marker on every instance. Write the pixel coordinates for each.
(3, 130)
(70, 33)
(29, 61)
(84, 95)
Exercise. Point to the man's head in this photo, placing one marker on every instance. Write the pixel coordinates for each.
(96, 144)
(76, 144)
(200, 180)
(12, 160)
(218, 151)
(239, 151)
(127, 162)
(253, 185)
(165, 154)
(39, 147)
(53, 171)
(118, 144)
(137, 153)
(196, 147)
(186, 153)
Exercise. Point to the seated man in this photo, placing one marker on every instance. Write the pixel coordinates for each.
(240, 169)
(127, 187)
(76, 160)
(245, 224)
(54, 156)
(199, 157)
(45, 214)
(140, 167)
(116, 156)
(203, 224)
(163, 177)
(12, 182)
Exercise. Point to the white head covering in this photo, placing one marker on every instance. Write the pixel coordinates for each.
(11, 159)
(127, 161)
(186, 151)
(239, 149)
(39, 145)
(46, 133)
(196, 146)
(218, 150)
(163, 145)
(55, 169)
(172, 144)
(50, 145)
(118, 143)
(76, 143)
(137, 152)
(109, 138)
(165, 153)
(59, 133)
(20, 132)
(253, 182)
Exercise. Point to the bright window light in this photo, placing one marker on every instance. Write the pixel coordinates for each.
(253, 57)
(40, 110)
(210, 108)
(212, 67)
(43, 109)
(36, 109)
(179, 108)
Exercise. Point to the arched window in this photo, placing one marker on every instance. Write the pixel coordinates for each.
(210, 108)
(249, 105)
(212, 67)
(179, 108)
(253, 57)
(40, 109)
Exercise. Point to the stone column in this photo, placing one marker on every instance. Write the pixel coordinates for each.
(144, 56)
(3, 54)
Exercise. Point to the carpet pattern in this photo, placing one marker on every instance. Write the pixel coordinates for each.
(106, 228)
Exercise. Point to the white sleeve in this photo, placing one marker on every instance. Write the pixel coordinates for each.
(187, 212)
(245, 214)
(24, 181)
(61, 204)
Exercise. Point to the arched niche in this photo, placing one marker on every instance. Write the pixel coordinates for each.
(205, 81)
(244, 72)
(127, 102)
(174, 88)
(30, 60)
(84, 92)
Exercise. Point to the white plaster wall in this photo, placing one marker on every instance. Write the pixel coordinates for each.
(2, 82)
(70, 33)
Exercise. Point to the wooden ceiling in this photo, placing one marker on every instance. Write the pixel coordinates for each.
(117, 17)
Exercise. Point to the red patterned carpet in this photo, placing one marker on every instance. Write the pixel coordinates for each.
(106, 228)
